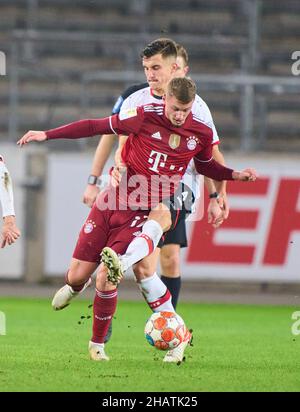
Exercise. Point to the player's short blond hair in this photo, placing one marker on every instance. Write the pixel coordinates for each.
(181, 52)
(183, 88)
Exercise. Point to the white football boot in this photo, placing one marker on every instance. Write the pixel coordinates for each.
(97, 352)
(177, 354)
(114, 265)
(64, 295)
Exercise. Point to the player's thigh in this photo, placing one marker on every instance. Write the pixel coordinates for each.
(147, 266)
(170, 260)
(161, 214)
(93, 236)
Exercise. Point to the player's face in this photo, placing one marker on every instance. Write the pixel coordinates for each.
(182, 68)
(159, 71)
(176, 111)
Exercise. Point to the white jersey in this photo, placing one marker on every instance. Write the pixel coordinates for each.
(6, 192)
(200, 109)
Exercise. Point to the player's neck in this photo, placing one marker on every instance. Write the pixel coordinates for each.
(157, 93)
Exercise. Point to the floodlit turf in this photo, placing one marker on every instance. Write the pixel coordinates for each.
(236, 348)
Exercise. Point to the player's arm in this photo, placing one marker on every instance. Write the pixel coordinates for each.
(101, 156)
(89, 127)
(207, 166)
(214, 211)
(103, 151)
(120, 167)
(221, 186)
(10, 232)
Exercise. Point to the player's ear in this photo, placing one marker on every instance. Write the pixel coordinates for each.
(186, 70)
(175, 67)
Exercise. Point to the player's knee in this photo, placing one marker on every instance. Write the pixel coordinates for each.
(141, 271)
(101, 279)
(161, 214)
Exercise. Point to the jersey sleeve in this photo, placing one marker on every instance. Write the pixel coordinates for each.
(203, 113)
(207, 166)
(128, 121)
(122, 102)
(125, 123)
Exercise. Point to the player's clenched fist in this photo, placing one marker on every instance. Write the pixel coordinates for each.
(32, 136)
(247, 175)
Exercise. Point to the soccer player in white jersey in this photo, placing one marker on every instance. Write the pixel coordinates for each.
(9, 232)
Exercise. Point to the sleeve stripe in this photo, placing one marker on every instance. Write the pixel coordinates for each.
(203, 161)
(110, 124)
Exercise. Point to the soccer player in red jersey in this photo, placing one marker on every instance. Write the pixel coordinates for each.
(162, 59)
(183, 137)
(9, 232)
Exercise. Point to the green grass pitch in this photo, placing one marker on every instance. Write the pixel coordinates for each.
(236, 348)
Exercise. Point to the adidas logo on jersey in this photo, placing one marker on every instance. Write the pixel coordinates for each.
(156, 135)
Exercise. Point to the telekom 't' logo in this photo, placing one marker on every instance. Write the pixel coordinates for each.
(155, 160)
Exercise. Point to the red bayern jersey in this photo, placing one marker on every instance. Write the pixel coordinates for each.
(155, 148)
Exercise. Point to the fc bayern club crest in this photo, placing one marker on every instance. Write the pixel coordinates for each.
(192, 142)
(174, 141)
(89, 226)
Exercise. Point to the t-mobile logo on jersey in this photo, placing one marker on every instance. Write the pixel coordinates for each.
(2, 64)
(154, 160)
(2, 324)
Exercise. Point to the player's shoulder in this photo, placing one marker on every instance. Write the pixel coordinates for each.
(127, 95)
(139, 97)
(199, 105)
(201, 112)
(136, 88)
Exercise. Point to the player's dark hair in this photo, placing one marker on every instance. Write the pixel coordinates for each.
(165, 47)
(183, 89)
(181, 52)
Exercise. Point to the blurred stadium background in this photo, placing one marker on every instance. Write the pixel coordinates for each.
(70, 59)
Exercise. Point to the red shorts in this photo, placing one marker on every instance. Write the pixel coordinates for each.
(113, 228)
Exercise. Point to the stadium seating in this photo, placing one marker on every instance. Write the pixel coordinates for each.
(76, 37)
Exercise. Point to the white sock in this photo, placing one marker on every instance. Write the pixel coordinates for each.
(156, 294)
(143, 245)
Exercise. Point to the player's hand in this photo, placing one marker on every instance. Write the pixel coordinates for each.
(247, 175)
(224, 205)
(215, 213)
(116, 175)
(32, 136)
(90, 195)
(10, 231)
(118, 170)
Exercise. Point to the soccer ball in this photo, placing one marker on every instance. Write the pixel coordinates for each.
(165, 330)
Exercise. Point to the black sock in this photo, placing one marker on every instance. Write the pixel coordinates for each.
(174, 285)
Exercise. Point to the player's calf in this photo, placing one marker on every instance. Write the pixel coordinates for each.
(64, 295)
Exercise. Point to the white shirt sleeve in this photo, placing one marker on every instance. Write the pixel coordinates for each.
(201, 110)
(6, 191)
